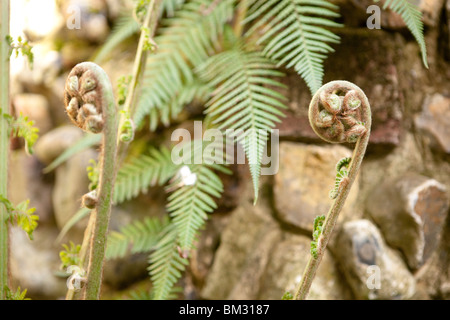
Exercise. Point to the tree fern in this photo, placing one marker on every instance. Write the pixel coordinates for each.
(138, 236)
(413, 20)
(142, 172)
(242, 101)
(186, 40)
(295, 34)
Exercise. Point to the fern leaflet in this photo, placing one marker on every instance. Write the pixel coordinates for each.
(413, 20)
(141, 236)
(243, 102)
(186, 40)
(295, 34)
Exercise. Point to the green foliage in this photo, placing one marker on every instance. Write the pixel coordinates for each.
(22, 215)
(413, 20)
(341, 174)
(70, 255)
(93, 174)
(122, 89)
(143, 171)
(21, 46)
(296, 34)
(186, 40)
(126, 130)
(140, 236)
(287, 296)
(317, 231)
(242, 100)
(18, 295)
(24, 128)
(166, 264)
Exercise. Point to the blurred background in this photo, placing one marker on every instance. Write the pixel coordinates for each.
(396, 217)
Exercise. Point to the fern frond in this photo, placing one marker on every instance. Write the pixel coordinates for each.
(189, 205)
(243, 102)
(170, 6)
(140, 236)
(142, 172)
(194, 90)
(186, 40)
(413, 20)
(295, 34)
(166, 265)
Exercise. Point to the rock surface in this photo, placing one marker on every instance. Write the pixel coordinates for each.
(372, 269)
(301, 186)
(410, 210)
(434, 121)
(285, 269)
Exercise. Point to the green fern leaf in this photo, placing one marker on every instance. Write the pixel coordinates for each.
(141, 236)
(69, 256)
(166, 265)
(142, 172)
(413, 20)
(170, 6)
(24, 216)
(18, 295)
(243, 101)
(189, 205)
(186, 40)
(295, 34)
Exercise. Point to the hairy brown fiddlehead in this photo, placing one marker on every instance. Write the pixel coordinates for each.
(339, 112)
(90, 105)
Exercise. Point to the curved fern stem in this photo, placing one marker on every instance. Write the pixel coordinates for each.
(90, 105)
(338, 112)
(4, 143)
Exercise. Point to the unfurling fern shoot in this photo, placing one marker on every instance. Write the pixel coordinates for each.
(339, 112)
(90, 105)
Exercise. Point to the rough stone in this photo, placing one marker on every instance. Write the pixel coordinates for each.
(26, 181)
(51, 145)
(410, 211)
(434, 122)
(71, 183)
(285, 268)
(301, 187)
(36, 108)
(372, 269)
(240, 261)
(33, 264)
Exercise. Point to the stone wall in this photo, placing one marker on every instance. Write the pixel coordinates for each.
(396, 217)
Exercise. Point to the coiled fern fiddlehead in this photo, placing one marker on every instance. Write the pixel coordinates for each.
(339, 112)
(90, 105)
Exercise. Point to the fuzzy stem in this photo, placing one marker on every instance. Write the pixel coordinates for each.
(333, 213)
(90, 105)
(105, 191)
(4, 143)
